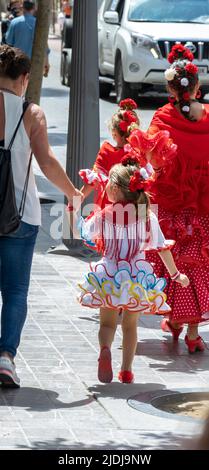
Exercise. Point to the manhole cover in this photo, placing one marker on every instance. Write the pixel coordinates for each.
(182, 404)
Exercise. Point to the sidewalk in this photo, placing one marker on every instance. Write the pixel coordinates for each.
(61, 403)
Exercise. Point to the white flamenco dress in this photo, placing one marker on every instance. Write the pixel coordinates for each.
(123, 279)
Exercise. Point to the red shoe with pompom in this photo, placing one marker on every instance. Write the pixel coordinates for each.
(168, 328)
(126, 376)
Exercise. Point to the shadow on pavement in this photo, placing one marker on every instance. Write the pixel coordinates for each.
(54, 92)
(35, 399)
(172, 356)
(57, 139)
(166, 442)
(122, 391)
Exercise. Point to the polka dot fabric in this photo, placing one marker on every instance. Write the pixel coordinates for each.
(191, 253)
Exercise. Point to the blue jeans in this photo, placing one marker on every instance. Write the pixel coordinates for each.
(16, 253)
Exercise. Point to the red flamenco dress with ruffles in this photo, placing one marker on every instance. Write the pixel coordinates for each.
(182, 194)
(122, 278)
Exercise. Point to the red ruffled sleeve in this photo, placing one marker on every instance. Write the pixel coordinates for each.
(185, 182)
(158, 144)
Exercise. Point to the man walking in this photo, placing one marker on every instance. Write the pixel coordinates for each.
(21, 30)
(14, 10)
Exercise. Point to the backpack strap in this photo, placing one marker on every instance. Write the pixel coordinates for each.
(24, 194)
(25, 106)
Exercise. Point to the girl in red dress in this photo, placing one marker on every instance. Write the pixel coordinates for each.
(181, 192)
(109, 155)
(122, 280)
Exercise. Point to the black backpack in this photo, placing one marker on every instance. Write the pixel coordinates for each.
(10, 215)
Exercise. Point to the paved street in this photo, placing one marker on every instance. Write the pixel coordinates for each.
(61, 404)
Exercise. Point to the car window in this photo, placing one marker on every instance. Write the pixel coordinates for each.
(113, 4)
(116, 5)
(166, 11)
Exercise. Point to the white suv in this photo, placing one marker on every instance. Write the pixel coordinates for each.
(136, 36)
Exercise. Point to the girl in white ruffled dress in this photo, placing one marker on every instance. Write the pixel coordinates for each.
(123, 280)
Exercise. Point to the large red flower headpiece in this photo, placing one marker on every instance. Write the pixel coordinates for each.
(138, 183)
(128, 119)
(128, 103)
(180, 52)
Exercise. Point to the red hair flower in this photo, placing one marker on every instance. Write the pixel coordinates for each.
(128, 118)
(124, 126)
(186, 96)
(128, 103)
(191, 68)
(130, 160)
(188, 55)
(171, 58)
(135, 182)
(179, 51)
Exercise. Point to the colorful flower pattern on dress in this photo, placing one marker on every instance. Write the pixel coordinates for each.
(142, 292)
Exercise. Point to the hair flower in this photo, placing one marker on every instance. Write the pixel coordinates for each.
(191, 68)
(130, 160)
(128, 103)
(184, 81)
(144, 174)
(186, 96)
(185, 109)
(124, 126)
(128, 119)
(135, 183)
(170, 74)
(180, 52)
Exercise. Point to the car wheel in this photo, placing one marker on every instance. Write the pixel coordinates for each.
(104, 90)
(122, 88)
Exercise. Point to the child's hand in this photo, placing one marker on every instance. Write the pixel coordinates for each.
(183, 280)
(75, 201)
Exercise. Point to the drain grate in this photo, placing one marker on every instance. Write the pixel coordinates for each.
(181, 404)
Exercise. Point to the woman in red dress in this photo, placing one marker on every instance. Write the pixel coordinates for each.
(181, 192)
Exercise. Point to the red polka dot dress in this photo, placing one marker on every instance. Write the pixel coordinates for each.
(191, 254)
(181, 193)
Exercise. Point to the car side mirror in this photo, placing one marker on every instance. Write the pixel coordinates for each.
(111, 17)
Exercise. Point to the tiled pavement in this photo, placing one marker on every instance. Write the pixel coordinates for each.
(61, 404)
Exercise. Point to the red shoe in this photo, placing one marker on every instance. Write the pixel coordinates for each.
(168, 328)
(126, 376)
(105, 374)
(194, 345)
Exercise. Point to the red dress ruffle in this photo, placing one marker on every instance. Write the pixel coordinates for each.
(184, 182)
